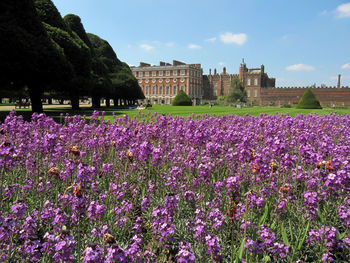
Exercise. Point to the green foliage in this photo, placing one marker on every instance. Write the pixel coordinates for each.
(28, 56)
(237, 91)
(221, 98)
(182, 99)
(74, 22)
(49, 14)
(308, 101)
(124, 83)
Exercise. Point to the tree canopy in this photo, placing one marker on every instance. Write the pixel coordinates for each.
(237, 93)
(47, 53)
(182, 99)
(309, 101)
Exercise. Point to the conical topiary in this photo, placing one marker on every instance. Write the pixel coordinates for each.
(309, 101)
(182, 99)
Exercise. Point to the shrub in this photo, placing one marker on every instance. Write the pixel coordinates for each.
(182, 99)
(286, 106)
(308, 101)
(221, 98)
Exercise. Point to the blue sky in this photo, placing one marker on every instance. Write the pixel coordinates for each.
(300, 42)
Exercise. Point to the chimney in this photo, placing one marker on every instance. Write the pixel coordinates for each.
(210, 71)
(262, 69)
(214, 71)
(161, 63)
(224, 71)
(339, 81)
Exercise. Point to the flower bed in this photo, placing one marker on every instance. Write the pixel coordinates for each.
(230, 189)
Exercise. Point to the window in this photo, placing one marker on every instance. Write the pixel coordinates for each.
(135, 74)
(215, 84)
(146, 73)
(255, 93)
(160, 80)
(215, 93)
(248, 93)
(154, 73)
(147, 80)
(140, 74)
(182, 72)
(140, 80)
(174, 89)
(153, 89)
(248, 82)
(167, 101)
(167, 80)
(175, 72)
(182, 79)
(183, 87)
(167, 90)
(147, 90)
(160, 73)
(160, 90)
(168, 73)
(153, 80)
(256, 82)
(174, 80)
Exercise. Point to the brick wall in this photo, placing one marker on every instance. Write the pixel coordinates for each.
(326, 96)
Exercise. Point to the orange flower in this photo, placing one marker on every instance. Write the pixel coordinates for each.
(53, 171)
(74, 150)
(255, 167)
(130, 156)
(78, 191)
(273, 166)
(108, 239)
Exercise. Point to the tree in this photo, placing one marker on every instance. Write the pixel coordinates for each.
(27, 55)
(237, 91)
(75, 50)
(182, 99)
(124, 85)
(308, 101)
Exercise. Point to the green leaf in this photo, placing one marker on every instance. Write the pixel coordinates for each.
(240, 251)
(263, 218)
(284, 235)
(290, 230)
(301, 241)
(340, 236)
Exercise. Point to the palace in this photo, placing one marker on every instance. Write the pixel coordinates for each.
(160, 84)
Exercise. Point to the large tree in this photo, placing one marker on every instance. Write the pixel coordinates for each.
(75, 49)
(27, 56)
(237, 93)
(124, 84)
(100, 81)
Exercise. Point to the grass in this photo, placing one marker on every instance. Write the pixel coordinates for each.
(184, 111)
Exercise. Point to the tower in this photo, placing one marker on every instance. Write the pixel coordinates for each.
(242, 70)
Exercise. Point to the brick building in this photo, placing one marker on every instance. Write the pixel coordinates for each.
(262, 91)
(160, 84)
(253, 79)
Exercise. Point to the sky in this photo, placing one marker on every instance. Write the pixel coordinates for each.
(300, 42)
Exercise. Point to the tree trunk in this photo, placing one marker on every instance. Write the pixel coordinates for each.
(35, 98)
(108, 102)
(74, 100)
(96, 101)
(49, 101)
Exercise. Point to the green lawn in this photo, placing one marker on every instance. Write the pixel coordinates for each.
(184, 111)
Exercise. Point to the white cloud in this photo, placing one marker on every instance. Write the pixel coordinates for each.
(346, 66)
(229, 38)
(194, 46)
(300, 67)
(221, 63)
(343, 10)
(213, 39)
(146, 47)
